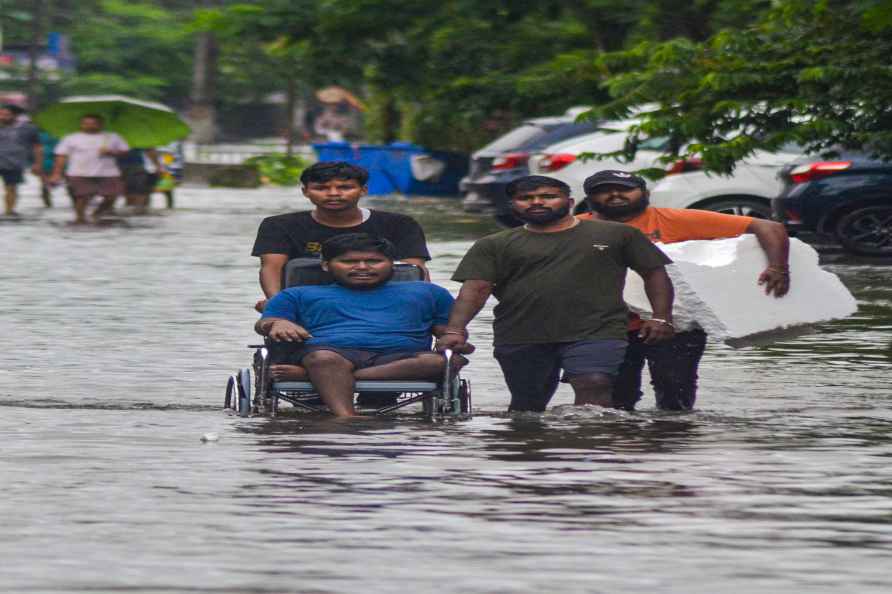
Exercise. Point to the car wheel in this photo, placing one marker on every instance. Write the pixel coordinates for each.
(746, 207)
(867, 231)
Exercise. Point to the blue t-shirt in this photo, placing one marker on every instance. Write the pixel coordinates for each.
(390, 318)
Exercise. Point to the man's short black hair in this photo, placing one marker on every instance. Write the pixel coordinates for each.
(531, 182)
(94, 116)
(329, 170)
(356, 242)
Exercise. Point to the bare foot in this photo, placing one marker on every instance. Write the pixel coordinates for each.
(288, 372)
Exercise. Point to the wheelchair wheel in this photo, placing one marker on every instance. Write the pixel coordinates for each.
(231, 390)
(244, 392)
(464, 396)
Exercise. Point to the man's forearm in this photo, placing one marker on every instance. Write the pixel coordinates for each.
(774, 241)
(38, 157)
(270, 280)
(660, 293)
(263, 325)
(470, 301)
(59, 165)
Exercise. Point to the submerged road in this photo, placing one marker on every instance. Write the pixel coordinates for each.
(115, 344)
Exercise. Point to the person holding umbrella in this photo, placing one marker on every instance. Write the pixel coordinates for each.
(135, 123)
(92, 169)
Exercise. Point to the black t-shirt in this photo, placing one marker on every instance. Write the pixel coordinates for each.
(300, 236)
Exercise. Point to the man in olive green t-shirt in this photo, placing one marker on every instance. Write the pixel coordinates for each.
(559, 283)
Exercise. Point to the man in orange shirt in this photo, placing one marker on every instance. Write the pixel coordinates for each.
(623, 197)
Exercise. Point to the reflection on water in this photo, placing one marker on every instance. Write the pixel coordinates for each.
(116, 343)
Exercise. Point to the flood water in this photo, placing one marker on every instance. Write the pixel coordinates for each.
(115, 345)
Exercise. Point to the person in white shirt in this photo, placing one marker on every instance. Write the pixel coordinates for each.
(92, 170)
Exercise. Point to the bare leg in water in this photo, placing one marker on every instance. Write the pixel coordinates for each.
(593, 388)
(332, 376)
(424, 366)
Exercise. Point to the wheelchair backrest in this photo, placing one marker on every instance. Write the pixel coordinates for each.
(308, 271)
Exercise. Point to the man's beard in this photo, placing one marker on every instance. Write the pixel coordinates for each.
(621, 212)
(543, 218)
(364, 287)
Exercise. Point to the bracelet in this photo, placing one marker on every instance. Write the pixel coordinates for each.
(457, 332)
(784, 271)
(662, 321)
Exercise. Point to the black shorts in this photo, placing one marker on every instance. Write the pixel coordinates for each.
(139, 181)
(359, 358)
(12, 177)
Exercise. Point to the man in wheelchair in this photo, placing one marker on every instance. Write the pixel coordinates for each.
(362, 327)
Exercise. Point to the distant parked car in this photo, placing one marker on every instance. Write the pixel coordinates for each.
(505, 159)
(848, 199)
(747, 191)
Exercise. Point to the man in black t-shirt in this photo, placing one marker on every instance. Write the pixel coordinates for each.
(334, 188)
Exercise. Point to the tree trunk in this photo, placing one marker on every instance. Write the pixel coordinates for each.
(202, 113)
(33, 49)
(290, 101)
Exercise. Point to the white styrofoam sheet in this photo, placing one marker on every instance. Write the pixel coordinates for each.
(716, 289)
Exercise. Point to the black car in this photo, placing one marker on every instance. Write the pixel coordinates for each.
(848, 199)
(505, 159)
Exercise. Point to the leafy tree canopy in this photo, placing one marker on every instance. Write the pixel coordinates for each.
(812, 73)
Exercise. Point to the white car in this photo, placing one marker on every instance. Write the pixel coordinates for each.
(747, 191)
(562, 160)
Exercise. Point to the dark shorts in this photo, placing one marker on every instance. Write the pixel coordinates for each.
(87, 187)
(139, 181)
(533, 371)
(12, 177)
(359, 358)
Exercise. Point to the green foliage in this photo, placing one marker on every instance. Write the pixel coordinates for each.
(814, 74)
(129, 47)
(278, 169)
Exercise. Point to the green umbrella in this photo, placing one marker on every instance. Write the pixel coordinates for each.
(142, 124)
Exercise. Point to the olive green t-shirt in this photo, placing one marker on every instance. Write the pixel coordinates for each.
(560, 287)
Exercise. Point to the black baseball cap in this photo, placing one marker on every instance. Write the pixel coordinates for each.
(614, 177)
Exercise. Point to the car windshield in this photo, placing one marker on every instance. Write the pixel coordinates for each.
(516, 138)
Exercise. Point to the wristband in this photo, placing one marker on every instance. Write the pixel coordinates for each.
(664, 322)
(784, 271)
(457, 332)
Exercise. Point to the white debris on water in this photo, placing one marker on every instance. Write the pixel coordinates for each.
(210, 437)
(716, 289)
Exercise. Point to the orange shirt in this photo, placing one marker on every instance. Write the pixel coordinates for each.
(671, 225)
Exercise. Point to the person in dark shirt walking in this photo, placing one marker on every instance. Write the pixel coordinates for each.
(334, 188)
(19, 147)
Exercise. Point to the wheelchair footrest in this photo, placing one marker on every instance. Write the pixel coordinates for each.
(366, 386)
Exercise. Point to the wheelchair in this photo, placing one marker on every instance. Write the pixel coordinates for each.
(252, 390)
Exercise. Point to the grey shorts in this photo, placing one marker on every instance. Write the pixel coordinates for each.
(533, 371)
(359, 358)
